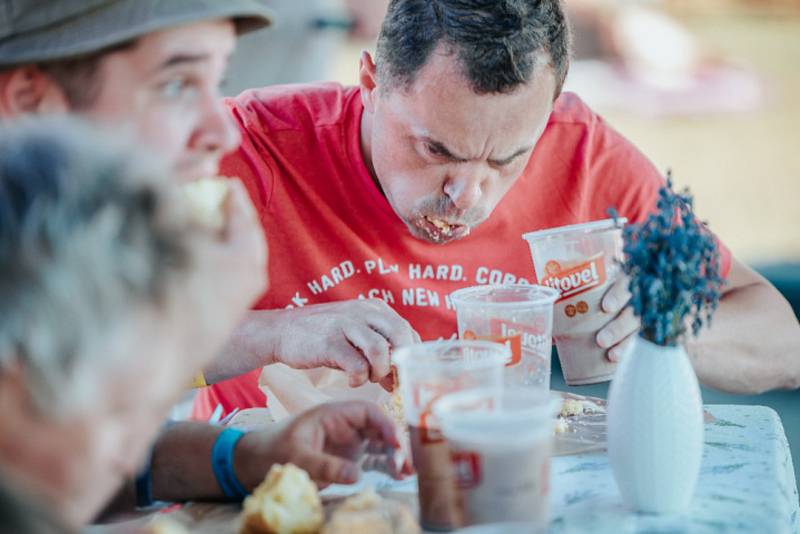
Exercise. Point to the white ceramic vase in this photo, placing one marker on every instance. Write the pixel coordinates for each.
(655, 428)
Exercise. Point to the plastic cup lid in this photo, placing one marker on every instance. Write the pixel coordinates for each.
(535, 295)
(582, 228)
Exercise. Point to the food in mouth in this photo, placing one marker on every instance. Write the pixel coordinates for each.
(205, 199)
(439, 230)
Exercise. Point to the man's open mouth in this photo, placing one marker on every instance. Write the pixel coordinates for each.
(440, 230)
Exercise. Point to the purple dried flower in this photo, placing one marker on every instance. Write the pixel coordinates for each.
(673, 264)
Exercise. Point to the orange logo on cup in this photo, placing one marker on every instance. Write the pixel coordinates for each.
(570, 310)
(583, 307)
(578, 279)
(467, 467)
(514, 343)
(424, 396)
(552, 267)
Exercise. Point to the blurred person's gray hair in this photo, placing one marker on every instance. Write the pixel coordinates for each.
(86, 239)
(497, 42)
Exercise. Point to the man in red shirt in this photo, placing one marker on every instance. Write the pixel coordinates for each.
(423, 178)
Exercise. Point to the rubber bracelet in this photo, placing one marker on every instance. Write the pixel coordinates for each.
(199, 381)
(222, 463)
(144, 484)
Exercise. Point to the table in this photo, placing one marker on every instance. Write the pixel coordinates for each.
(746, 484)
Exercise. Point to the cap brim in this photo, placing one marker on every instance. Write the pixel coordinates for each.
(123, 21)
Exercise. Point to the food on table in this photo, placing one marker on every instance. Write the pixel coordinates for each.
(393, 407)
(369, 513)
(205, 198)
(561, 426)
(164, 525)
(287, 502)
(573, 407)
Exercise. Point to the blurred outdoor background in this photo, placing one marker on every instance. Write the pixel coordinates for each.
(708, 88)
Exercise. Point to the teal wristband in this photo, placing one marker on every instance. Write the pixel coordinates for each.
(222, 463)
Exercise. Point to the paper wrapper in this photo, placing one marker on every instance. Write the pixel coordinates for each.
(291, 391)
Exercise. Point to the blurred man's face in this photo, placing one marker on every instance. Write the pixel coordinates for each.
(165, 91)
(445, 156)
(85, 455)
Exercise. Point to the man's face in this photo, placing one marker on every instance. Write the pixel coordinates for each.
(102, 445)
(444, 155)
(165, 92)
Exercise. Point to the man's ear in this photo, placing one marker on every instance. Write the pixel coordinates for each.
(28, 90)
(14, 394)
(367, 81)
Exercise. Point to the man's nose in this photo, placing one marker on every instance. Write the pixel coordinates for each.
(216, 131)
(465, 186)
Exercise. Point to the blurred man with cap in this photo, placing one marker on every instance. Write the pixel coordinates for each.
(151, 69)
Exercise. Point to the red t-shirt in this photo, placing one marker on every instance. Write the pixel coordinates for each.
(333, 236)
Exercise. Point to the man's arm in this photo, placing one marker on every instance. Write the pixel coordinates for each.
(753, 344)
(355, 336)
(325, 441)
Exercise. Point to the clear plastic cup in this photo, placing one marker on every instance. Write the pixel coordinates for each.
(519, 316)
(426, 372)
(500, 446)
(581, 262)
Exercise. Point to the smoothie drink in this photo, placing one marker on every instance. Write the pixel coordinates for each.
(581, 262)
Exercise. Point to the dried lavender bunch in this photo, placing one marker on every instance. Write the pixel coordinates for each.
(673, 264)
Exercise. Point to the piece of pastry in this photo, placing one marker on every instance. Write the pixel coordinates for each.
(287, 502)
(571, 407)
(369, 513)
(561, 426)
(206, 198)
(165, 525)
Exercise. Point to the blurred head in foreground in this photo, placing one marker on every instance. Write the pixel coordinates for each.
(99, 259)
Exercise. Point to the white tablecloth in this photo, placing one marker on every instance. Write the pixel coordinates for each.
(746, 484)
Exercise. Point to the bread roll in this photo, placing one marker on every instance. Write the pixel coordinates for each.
(369, 513)
(205, 199)
(287, 502)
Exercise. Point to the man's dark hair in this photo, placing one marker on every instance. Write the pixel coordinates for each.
(496, 41)
(78, 76)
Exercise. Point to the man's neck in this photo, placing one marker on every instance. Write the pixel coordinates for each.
(365, 133)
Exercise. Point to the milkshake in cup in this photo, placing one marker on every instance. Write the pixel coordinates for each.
(581, 262)
(426, 372)
(500, 447)
(521, 317)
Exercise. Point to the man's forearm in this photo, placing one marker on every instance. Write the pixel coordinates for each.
(181, 463)
(753, 344)
(251, 346)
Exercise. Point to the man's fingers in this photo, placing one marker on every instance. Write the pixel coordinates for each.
(388, 383)
(625, 324)
(618, 352)
(391, 325)
(239, 210)
(350, 360)
(374, 347)
(617, 296)
(367, 419)
(326, 468)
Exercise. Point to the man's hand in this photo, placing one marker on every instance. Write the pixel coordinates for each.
(325, 441)
(238, 253)
(619, 332)
(355, 336)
